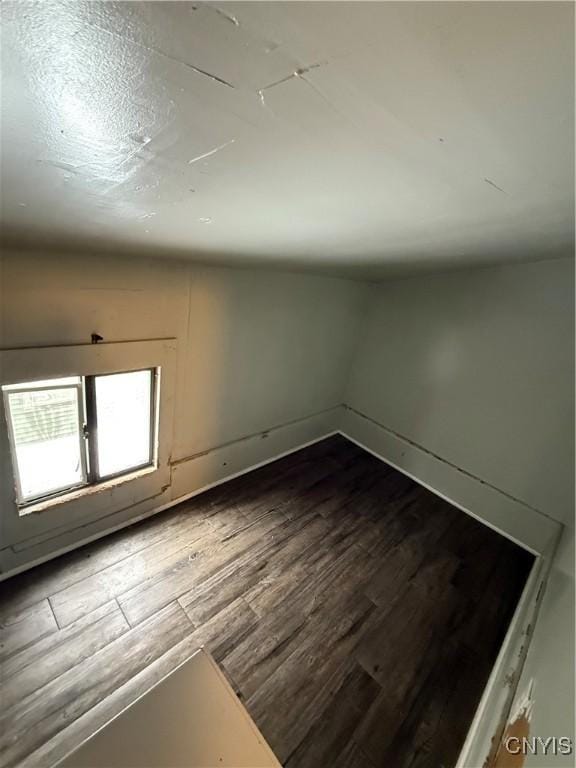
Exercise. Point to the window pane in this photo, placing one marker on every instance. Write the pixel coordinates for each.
(47, 443)
(123, 416)
(67, 381)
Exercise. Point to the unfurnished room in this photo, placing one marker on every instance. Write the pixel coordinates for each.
(287, 384)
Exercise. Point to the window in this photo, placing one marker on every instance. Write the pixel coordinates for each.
(76, 431)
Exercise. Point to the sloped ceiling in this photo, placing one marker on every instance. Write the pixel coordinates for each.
(348, 137)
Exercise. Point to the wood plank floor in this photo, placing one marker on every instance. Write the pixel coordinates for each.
(356, 614)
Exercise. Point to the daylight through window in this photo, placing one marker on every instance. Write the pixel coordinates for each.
(70, 432)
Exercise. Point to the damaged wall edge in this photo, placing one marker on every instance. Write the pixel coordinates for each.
(545, 698)
(493, 711)
(526, 526)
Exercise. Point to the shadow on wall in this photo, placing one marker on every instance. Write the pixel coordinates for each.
(477, 367)
(262, 350)
(201, 375)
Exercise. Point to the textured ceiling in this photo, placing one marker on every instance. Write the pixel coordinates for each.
(357, 138)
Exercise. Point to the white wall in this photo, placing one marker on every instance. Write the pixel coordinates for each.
(257, 350)
(476, 367)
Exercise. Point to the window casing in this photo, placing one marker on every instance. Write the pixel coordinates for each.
(80, 431)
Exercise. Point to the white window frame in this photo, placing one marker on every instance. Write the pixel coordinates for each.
(88, 434)
(25, 387)
(93, 507)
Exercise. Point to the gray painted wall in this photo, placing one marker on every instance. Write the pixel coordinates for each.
(477, 367)
(255, 348)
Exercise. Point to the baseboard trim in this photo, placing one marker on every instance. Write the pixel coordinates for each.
(249, 452)
(520, 523)
(251, 468)
(501, 686)
(498, 694)
(494, 707)
(83, 541)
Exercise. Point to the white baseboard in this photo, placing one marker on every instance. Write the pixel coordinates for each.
(212, 468)
(190, 478)
(252, 467)
(225, 462)
(199, 473)
(493, 710)
(522, 524)
(525, 527)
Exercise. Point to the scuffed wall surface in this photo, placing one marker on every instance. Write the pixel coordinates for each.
(477, 367)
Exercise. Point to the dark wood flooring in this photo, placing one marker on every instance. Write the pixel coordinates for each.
(356, 614)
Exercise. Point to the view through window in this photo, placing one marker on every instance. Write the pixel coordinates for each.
(69, 432)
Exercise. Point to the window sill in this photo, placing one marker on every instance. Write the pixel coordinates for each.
(89, 490)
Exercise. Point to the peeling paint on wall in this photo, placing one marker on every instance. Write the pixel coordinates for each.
(518, 728)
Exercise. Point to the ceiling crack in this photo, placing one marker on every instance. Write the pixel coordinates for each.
(488, 181)
(201, 71)
(159, 52)
(211, 152)
(227, 16)
(297, 73)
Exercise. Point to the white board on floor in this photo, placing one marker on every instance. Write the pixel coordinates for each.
(190, 719)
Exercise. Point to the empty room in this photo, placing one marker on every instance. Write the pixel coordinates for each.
(287, 384)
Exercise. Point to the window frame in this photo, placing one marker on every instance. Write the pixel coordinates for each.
(88, 433)
(25, 387)
(93, 424)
